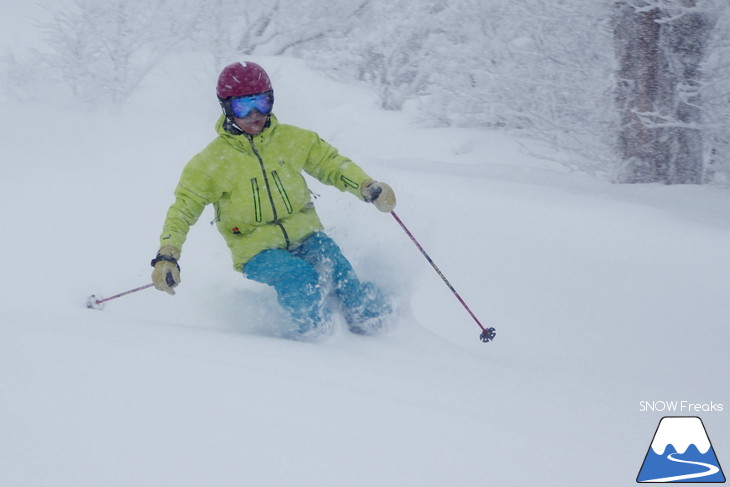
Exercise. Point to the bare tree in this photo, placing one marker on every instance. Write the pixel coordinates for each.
(102, 51)
(226, 30)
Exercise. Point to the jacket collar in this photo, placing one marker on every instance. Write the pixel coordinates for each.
(264, 134)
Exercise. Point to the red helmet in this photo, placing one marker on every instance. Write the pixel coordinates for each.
(241, 79)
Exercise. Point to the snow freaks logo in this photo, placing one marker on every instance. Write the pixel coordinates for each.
(681, 452)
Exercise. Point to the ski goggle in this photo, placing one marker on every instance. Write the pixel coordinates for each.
(242, 106)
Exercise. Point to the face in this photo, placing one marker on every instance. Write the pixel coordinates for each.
(251, 112)
(253, 124)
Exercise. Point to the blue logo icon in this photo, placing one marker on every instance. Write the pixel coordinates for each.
(681, 452)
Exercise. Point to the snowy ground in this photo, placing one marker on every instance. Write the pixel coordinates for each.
(603, 296)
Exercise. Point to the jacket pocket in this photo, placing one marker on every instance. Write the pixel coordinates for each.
(256, 199)
(282, 192)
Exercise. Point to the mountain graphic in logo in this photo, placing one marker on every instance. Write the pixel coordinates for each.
(681, 452)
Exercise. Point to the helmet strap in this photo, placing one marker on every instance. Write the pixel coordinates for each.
(228, 124)
(231, 127)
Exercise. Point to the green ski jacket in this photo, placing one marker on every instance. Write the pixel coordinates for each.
(256, 187)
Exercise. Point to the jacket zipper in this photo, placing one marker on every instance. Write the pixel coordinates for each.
(217, 213)
(268, 191)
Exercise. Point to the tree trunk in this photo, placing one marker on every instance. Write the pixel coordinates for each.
(659, 52)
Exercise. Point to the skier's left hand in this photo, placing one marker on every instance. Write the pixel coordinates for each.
(379, 194)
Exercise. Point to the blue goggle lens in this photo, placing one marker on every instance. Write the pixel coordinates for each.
(244, 105)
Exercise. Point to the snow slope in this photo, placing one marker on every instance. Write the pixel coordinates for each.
(602, 296)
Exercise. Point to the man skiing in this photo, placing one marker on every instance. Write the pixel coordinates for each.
(251, 174)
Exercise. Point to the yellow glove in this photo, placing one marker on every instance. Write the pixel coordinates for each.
(379, 194)
(166, 273)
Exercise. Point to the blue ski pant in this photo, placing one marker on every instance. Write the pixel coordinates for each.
(299, 276)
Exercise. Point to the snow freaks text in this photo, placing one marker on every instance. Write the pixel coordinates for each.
(680, 407)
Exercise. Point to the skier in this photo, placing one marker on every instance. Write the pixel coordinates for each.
(251, 174)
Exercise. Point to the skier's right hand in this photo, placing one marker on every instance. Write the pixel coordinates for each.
(166, 272)
(379, 194)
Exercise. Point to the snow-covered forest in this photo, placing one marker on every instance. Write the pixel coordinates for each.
(504, 127)
(568, 72)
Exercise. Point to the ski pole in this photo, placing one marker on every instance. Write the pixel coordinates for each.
(487, 334)
(95, 302)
